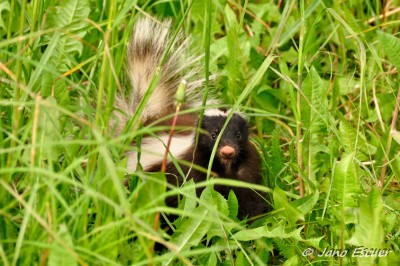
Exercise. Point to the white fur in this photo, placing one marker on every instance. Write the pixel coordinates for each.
(219, 112)
(157, 100)
(146, 28)
(216, 112)
(153, 149)
(147, 47)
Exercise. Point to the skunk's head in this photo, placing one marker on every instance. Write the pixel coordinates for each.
(233, 140)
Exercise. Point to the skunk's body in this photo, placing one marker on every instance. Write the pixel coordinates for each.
(236, 157)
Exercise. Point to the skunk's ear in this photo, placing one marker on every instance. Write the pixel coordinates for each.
(208, 121)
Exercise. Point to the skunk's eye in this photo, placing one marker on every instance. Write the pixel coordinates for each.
(213, 135)
(239, 135)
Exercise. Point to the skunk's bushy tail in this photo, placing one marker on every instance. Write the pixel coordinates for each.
(149, 42)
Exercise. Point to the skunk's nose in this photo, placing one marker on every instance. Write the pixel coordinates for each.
(227, 152)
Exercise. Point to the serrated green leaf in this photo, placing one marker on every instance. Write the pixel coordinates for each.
(276, 153)
(315, 93)
(50, 83)
(345, 185)
(306, 204)
(369, 231)
(69, 20)
(220, 203)
(71, 14)
(45, 60)
(214, 200)
(314, 242)
(391, 46)
(354, 142)
(263, 231)
(194, 228)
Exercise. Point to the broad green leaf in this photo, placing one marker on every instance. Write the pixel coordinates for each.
(354, 142)
(3, 6)
(146, 192)
(240, 259)
(285, 208)
(198, 10)
(276, 153)
(294, 260)
(48, 128)
(230, 18)
(395, 165)
(347, 85)
(70, 14)
(189, 203)
(314, 111)
(391, 46)
(396, 136)
(265, 10)
(306, 204)
(194, 228)
(265, 98)
(222, 205)
(212, 259)
(70, 17)
(219, 48)
(345, 187)
(59, 256)
(233, 205)
(314, 92)
(314, 242)
(369, 231)
(45, 60)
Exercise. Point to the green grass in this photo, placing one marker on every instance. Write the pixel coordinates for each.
(317, 79)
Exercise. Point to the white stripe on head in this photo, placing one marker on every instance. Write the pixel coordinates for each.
(216, 112)
(219, 112)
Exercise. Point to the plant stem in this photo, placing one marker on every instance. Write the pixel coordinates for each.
(299, 83)
(171, 133)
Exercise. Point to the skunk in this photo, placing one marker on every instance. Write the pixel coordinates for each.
(236, 156)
